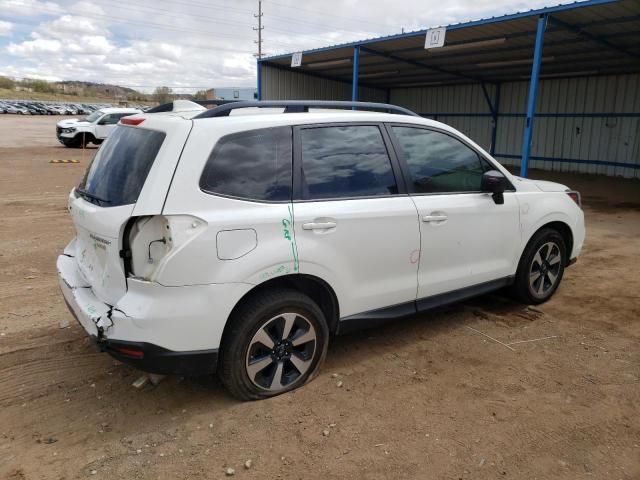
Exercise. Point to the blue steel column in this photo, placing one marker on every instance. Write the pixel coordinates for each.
(259, 77)
(356, 67)
(533, 92)
(495, 113)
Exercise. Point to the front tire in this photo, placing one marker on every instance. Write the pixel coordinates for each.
(81, 140)
(541, 267)
(276, 342)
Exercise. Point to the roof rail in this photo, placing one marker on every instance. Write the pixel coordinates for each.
(299, 106)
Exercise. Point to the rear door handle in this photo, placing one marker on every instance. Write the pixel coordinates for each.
(318, 225)
(434, 218)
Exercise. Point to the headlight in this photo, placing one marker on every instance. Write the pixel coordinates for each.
(69, 130)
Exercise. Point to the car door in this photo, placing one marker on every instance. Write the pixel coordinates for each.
(467, 240)
(354, 224)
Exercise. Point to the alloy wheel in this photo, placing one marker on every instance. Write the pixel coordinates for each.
(545, 269)
(281, 351)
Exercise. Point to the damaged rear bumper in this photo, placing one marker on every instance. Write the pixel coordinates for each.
(154, 359)
(123, 337)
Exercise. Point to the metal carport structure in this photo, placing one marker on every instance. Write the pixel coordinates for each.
(575, 68)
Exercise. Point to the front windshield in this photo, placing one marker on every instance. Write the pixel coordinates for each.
(93, 117)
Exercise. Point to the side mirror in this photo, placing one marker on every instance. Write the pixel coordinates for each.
(494, 182)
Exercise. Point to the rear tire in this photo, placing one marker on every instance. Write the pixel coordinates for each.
(276, 342)
(541, 267)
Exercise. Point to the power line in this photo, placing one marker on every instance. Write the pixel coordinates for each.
(316, 12)
(143, 24)
(160, 26)
(209, 19)
(182, 43)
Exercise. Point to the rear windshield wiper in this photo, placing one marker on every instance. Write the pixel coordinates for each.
(91, 196)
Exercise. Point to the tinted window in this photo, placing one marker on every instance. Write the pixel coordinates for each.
(119, 169)
(438, 162)
(114, 118)
(254, 165)
(347, 161)
(109, 120)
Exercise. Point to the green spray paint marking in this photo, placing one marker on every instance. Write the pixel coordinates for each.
(287, 223)
(274, 272)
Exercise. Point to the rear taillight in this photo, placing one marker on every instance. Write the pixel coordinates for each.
(131, 121)
(151, 240)
(575, 196)
(131, 352)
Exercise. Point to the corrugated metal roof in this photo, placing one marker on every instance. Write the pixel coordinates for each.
(590, 37)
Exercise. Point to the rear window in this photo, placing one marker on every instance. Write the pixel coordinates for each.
(255, 165)
(120, 167)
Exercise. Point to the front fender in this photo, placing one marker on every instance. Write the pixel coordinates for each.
(540, 209)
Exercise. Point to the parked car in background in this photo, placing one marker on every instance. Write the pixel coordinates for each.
(32, 108)
(16, 109)
(238, 243)
(92, 129)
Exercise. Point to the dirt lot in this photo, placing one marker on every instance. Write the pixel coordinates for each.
(426, 398)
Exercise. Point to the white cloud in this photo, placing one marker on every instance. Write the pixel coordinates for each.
(35, 47)
(68, 26)
(5, 28)
(90, 45)
(29, 7)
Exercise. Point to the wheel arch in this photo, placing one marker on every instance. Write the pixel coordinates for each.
(314, 287)
(563, 229)
(88, 136)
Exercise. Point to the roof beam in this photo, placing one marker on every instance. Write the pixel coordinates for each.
(532, 33)
(421, 65)
(346, 71)
(313, 74)
(581, 31)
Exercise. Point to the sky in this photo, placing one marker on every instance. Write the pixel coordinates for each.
(192, 45)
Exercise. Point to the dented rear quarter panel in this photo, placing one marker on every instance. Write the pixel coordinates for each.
(198, 261)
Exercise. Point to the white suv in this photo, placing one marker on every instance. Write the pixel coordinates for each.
(242, 242)
(94, 128)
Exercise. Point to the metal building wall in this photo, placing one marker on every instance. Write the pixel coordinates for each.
(463, 107)
(580, 122)
(281, 84)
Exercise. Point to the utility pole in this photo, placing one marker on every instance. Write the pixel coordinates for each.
(259, 29)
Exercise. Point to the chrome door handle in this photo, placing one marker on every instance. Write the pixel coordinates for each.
(319, 225)
(434, 218)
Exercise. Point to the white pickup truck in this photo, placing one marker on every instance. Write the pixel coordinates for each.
(76, 133)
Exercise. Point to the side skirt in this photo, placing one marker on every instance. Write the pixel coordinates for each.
(374, 318)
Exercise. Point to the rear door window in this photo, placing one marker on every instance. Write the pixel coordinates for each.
(345, 161)
(120, 167)
(254, 165)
